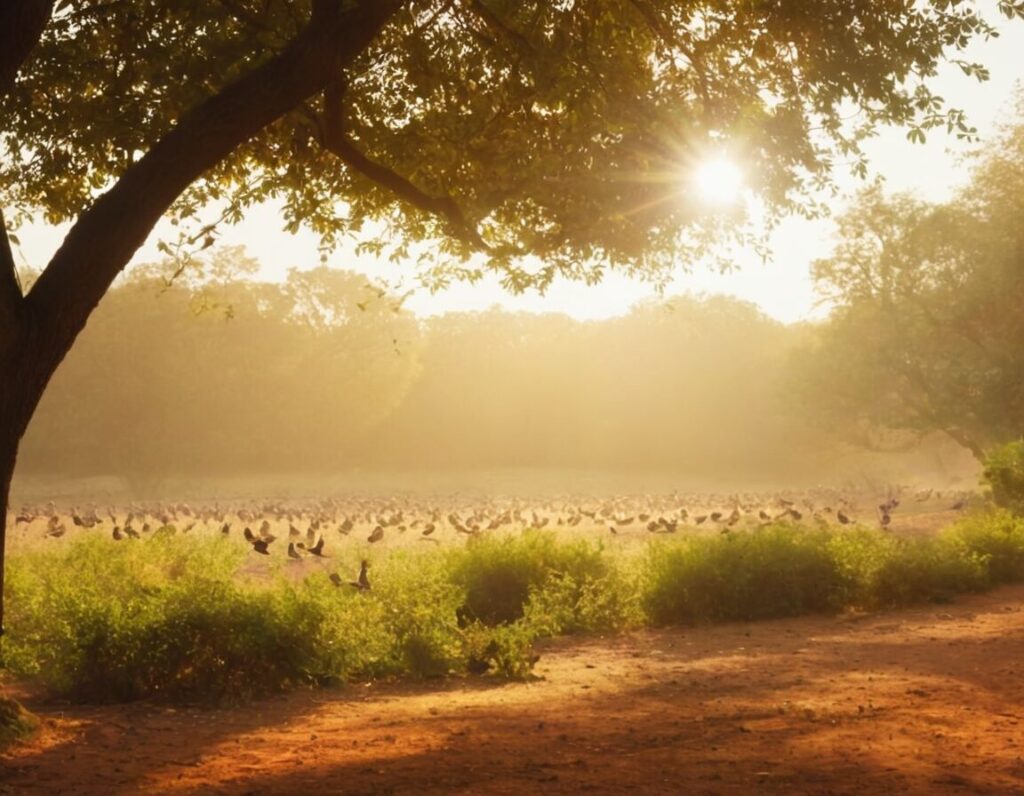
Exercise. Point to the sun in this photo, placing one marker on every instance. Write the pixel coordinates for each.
(719, 181)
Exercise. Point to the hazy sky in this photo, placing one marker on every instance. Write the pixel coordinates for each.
(781, 287)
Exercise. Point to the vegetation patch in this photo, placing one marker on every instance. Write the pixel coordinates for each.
(16, 723)
(179, 618)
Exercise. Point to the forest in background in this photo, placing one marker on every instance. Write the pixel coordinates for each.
(217, 375)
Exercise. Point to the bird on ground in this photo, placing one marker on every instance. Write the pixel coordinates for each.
(377, 535)
(118, 536)
(429, 529)
(842, 517)
(292, 552)
(318, 548)
(363, 583)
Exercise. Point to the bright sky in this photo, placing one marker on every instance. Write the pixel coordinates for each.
(782, 287)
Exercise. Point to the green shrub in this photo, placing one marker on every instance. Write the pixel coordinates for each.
(776, 571)
(180, 618)
(173, 617)
(1004, 473)
(498, 574)
(997, 537)
(16, 723)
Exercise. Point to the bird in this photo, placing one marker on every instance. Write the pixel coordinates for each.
(958, 506)
(318, 548)
(363, 583)
(842, 517)
(260, 546)
(377, 535)
(292, 552)
(429, 529)
(118, 536)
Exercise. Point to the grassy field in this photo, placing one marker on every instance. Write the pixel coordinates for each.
(188, 618)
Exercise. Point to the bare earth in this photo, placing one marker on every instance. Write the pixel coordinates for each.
(929, 700)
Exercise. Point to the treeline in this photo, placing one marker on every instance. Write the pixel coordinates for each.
(227, 375)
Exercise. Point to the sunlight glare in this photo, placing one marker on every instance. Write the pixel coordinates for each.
(719, 181)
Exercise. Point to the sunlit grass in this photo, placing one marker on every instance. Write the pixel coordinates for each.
(176, 617)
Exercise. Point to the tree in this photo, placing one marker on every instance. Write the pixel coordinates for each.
(925, 335)
(215, 375)
(499, 129)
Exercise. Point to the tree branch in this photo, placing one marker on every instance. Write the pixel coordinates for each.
(480, 10)
(335, 141)
(21, 25)
(104, 238)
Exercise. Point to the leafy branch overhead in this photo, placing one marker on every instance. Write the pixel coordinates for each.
(496, 129)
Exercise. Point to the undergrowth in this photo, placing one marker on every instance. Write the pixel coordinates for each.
(180, 618)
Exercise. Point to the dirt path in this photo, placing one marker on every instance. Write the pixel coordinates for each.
(929, 700)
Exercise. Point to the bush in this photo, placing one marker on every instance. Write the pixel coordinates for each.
(776, 571)
(16, 723)
(498, 574)
(994, 537)
(1004, 473)
(175, 617)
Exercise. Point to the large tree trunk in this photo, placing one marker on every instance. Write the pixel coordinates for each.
(21, 386)
(8, 456)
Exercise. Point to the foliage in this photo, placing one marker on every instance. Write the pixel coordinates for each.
(296, 379)
(16, 723)
(778, 571)
(498, 575)
(330, 386)
(175, 618)
(925, 330)
(559, 130)
(1004, 473)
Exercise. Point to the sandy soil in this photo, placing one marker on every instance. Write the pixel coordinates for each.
(928, 701)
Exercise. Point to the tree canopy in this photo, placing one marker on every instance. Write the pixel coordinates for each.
(925, 336)
(563, 130)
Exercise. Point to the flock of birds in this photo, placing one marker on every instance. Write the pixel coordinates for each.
(311, 527)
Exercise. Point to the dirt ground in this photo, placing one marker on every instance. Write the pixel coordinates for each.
(928, 700)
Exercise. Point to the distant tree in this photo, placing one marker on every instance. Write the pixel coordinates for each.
(496, 128)
(926, 332)
(162, 383)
